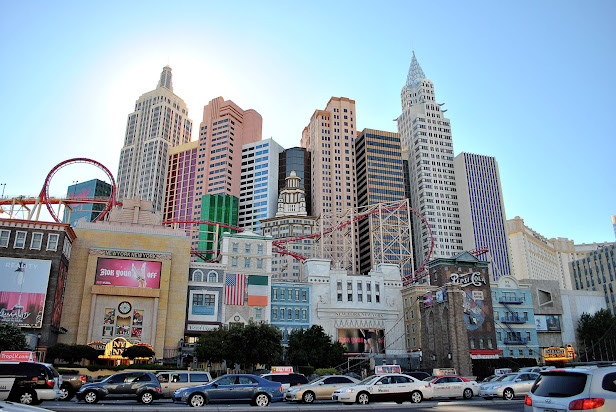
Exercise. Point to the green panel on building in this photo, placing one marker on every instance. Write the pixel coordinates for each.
(216, 208)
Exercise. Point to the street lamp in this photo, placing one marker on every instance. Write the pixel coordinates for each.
(20, 269)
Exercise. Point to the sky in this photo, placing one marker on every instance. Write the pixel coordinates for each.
(530, 83)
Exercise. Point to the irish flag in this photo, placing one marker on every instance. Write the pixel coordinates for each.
(258, 286)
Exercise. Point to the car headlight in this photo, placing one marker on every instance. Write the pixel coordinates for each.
(350, 390)
(498, 386)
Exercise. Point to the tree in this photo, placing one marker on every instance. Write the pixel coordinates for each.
(594, 331)
(138, 351)
(71, 353)
(59, 351)
(212, 345)
(315, 348)
(11, 337)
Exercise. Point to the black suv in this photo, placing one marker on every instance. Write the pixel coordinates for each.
(140, 385)
(29, 383)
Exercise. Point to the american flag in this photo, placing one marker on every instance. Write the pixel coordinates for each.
(234, 289)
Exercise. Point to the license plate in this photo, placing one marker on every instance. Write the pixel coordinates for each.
(550, 410)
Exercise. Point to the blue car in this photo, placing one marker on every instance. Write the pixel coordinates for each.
(231, 389)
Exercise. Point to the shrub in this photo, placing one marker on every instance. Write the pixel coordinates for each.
(93, 368)
(326, 371)
(306, 370)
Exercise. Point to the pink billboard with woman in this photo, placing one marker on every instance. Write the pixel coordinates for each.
(131, 273)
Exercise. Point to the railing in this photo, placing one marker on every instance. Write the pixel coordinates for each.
(515, 341)
(509, 299)
(514, 319)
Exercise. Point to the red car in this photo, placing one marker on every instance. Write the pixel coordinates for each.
(450, 386)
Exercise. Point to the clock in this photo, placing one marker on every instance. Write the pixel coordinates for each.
(124, 307)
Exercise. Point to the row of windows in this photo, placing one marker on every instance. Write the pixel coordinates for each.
(36, 240)
(288, 314)
(280, 294)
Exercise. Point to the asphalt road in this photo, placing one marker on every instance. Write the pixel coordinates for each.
(476, 404)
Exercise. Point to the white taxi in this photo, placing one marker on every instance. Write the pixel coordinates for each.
(382, 388)
(450, 386)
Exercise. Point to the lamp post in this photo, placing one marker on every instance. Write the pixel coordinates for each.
(3, 186)
(21, 270)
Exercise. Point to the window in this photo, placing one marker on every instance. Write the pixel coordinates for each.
(4, 238)
(290, 314)
(304, 295)
(275, 293)
(37, 241)
(304, 314)
(20, 240)
(234, 261)
(296, 314)
(296, 294)
(52, 241)
(282, 314)
(258, 313)
(259, 263)
(212, 277)
(235, 247)
(259, 249)
(197, 276)
(247, 247)
(246, 262)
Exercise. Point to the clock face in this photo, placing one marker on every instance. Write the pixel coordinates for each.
(124, 307)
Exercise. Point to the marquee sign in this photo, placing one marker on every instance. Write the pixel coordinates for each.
(466, 279)
(555, 354)
(115, 348)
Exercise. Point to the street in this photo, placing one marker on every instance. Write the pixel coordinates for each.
(166, 406)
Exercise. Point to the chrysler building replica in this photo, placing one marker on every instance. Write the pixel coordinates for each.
(426, 134)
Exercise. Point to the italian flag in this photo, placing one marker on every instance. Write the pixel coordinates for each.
(257, 290)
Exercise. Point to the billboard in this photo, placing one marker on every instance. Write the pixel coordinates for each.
(23, 287)
(131, 273)
(362, 340)
(547, 323)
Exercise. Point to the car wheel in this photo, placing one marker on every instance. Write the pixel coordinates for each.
(90, 397)
(196, 400)
(146, 398)
(28, 397)
(308, 397)
(416, 397)
(262, 400)
(508, 394)
(467, 394)
(363, 398)
(66, 394)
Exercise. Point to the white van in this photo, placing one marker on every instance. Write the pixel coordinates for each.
(170, 381)
(29, 383)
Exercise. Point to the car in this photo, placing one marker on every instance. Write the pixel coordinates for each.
(508, 386)
(286, 379)
(419, 375)
(450, 386)
(170, 381)
(231, 388)
(71, 384)
(142, 386)
(28, 383)
(536, 369)
(319, 389)
(17, 407)
(388, 387)
(573, 389)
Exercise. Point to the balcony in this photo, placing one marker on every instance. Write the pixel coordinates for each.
(515, 341)
(514, 319)
(510, 299)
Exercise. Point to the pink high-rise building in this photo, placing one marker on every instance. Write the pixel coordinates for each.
(225, 128)
(329, 137)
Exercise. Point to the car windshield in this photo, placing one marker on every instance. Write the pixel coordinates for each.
(315, 380)
(368, 380)
(507, 378)
(560, 385)
(429, 378)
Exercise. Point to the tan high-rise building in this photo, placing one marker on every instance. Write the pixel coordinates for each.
(225, 128)
(329, 137)
(160, 121)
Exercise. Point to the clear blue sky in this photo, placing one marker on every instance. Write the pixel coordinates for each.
(529, 82)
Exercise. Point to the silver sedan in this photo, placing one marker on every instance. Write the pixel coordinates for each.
(509, 386)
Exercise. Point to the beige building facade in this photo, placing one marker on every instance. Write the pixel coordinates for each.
(128, 280)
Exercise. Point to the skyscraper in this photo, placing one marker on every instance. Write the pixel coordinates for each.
(92, 189)
(482, 210)
(225, 128)
(426, 134)
(259, 183)
(160, 121)
(380, 179)
(296, 159)
(329, 138)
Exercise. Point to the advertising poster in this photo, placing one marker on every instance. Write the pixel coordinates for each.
(547, 323)
(23, 287)
(131, 273)
(59, 298)
(362, 340)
